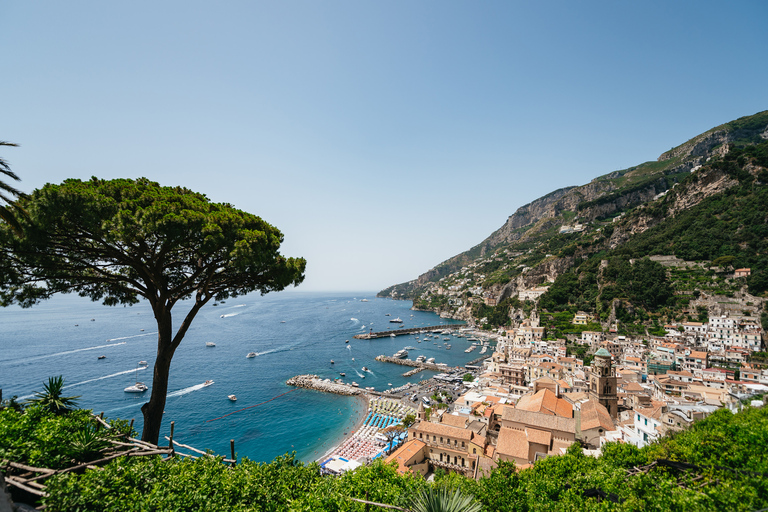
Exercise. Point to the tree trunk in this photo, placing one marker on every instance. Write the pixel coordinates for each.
(153, 410)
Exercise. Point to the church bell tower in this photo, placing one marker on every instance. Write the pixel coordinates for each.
(602, 382)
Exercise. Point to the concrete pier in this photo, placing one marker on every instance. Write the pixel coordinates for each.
(408, 362)
(413, 372)
(410, 330)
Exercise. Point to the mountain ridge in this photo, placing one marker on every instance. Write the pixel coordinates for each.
(577, 219)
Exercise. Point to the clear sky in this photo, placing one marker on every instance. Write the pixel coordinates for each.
(381, 137)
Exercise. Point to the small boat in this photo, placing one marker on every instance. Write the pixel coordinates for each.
(396, 321)
(222, 316)
(210, 344)
(139, 387)
(251, 354)
(347, 341)
(142, 363)
(392, 335)
(363, 300)
(389, 384)
(215, 304)
(342, 374)
(141, 330)
(365, 368)
(387, 314)
(332, 361)
(355, 384)
(93, 319)
(353, 358)
(101, 357)
(282, 321)
(232, 398)
(207, 383)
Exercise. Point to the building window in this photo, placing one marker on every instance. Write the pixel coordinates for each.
(474, 450)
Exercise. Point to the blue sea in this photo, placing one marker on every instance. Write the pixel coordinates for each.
(293, 333)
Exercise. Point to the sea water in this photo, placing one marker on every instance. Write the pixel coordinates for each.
(293, 333)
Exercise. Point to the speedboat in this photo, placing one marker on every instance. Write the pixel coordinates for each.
(342, 374)
(233, 398)
(142, 363)
(347, 341)
(392, 335)
(139, 387)
(210, 344)
(354, 384)
(251, 354)
(207, 383)
(365, 368)
(101, 357)
(332, 361)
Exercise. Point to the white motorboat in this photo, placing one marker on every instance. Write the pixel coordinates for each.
(342, 374)
(233, 398)
(207, 383)
(365, 368)
(142, 363)
(210, 344)
(251, 354)
(431, 360)
(355, 384)
(392, 335)
(396, 321)
(401, 354)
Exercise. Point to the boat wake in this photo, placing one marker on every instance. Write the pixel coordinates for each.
(239, 306)
(66, 352)
(355, 320)
(92, 380)
(229, 315)
(349, 347)
(185, 391)
(134, 336)
(359, 374)
(133, 370)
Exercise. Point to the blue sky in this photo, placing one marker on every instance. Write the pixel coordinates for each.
(381, 137)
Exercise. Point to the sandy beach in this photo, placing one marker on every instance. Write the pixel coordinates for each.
(363, 401)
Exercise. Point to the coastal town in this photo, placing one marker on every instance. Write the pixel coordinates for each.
(533, 397)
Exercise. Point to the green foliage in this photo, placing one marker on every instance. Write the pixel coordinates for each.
(442, 500)
(39, 437)
(52, 397)
(468, 377)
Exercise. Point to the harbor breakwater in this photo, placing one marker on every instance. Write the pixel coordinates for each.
(407, 362)
(316, 383)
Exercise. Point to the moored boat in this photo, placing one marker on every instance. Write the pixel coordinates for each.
(210, 344)
(139, 387)
(233, 398)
